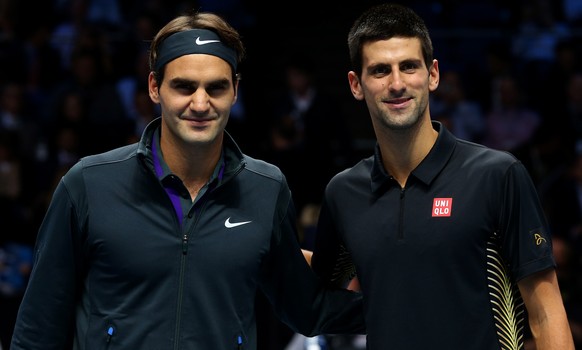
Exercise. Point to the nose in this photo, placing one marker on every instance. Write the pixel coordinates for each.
(395, 81)
(200, 101)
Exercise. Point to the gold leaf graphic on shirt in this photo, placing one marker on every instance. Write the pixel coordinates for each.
(506, 302)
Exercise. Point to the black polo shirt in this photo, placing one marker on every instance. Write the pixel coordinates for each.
(437, 260)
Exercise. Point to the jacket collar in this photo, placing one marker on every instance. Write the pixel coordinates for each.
(234, 157)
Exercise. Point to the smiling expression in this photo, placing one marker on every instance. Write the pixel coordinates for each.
(395, 82)
(195, 96)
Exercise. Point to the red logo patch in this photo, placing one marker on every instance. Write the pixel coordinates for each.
(442, 207)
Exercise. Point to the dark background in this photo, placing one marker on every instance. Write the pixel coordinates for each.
(478, 40)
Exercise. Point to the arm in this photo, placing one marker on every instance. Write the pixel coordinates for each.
(527, 248)
(46, 316)
(354, 284)
(547, 316)
(330, 259)
(298, 296)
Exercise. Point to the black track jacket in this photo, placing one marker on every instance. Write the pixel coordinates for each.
(114, 270)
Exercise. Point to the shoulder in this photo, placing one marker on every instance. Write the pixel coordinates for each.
(359, 172)
(483, 156)
(114, 155)
(491, 166)
(262, 168)
(101, 161)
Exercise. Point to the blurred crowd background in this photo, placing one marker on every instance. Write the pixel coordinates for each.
(73, 81)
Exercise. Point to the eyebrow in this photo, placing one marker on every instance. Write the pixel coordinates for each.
(183, 81)
(416, 61)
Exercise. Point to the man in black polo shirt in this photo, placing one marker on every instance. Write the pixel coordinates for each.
(446, 237)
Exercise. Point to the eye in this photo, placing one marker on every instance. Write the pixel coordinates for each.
(218, 88)
(184, 88)
(409, 67)
(380, 70)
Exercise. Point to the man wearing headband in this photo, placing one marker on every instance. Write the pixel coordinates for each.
(163, 244)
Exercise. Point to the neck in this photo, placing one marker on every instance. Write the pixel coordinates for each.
(193, 164)
(402, 152)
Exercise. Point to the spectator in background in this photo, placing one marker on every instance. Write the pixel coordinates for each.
(565, 65)
(572, 10)
(10, 170)
(450, 105)
(554, 141)
(71, 23)
(569, 262)
(510, 124)
(573, 106)
(12, 107)
(561, 196)
(45, 68)
(15, 266)
(106, 115)
(13, 55)
(129, 86)
(104, 13)
(534, 44)
(16, 238)
(16, 117)
(484, 83)
(145, 111)
(558, 138)
(308, 135)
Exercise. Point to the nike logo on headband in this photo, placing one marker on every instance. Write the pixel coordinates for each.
(204, 42)
(194, 41)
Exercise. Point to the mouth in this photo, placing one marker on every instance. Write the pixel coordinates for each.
(399, 102)
(194, 119)
(198, 122)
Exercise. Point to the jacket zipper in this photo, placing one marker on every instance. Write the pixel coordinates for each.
(185, 239)
(180, 292)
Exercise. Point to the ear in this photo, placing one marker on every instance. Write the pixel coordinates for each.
(235, 91)
(153, 88)
(355, 86)
(434, 76)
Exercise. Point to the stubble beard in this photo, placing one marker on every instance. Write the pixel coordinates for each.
(401, 121)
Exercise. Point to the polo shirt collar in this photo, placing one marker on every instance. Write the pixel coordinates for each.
(430, 166)
(438, 156)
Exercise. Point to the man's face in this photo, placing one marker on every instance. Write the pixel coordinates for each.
(395, 82)
(195, 96)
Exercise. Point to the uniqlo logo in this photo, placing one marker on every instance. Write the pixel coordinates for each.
(442, 207)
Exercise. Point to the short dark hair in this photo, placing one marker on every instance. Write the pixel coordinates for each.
(385, 21)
